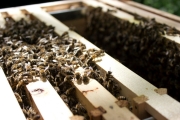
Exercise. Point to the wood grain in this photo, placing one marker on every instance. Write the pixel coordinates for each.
(48, 102)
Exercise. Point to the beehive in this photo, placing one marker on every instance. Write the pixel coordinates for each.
(146, 100)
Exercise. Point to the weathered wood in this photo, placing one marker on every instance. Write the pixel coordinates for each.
(9, 106)
(97, 95)
(48, 102)
(139, 106)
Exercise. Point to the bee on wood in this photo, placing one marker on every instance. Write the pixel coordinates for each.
(78, 78)
(42, 73)
(85, 79)
(65, 34)
(121, 98)
(80, 108)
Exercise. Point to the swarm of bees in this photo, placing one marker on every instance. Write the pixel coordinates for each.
(31, 50)
(141, 47)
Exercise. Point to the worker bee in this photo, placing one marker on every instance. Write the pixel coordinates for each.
(20, 83)
(80, 108)
(85, 79)
(70, 91)
(18, 97)
(121, 98)
(42, 73)
(78, 78)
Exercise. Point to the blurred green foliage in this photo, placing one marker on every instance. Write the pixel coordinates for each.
(171, 6)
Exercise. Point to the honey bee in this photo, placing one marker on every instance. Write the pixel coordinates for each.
(78, 78)
(65, 98)
(42, 73)
(20, 83)
(18, 97)
(80, 108)
(70, 91)
(85, 79)
(65, 34)
(121, 98)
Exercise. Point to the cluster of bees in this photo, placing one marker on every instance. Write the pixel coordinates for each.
(141, 47)
(31, 50)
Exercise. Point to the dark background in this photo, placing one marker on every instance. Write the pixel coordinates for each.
(15, 3)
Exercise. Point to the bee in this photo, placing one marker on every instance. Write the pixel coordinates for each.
(78, 78)
(85, 79)
(80, 108)
(42, 73)
(121, 98)
(20, 83)
(65, 34)
(70, 91)
(109, 85)
(68, 78)
(18, 97)
(65, 98)
(70, 47)
(57, 89)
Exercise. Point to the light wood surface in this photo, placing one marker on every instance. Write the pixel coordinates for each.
(9, 106)
(97, 95)
(48, 102)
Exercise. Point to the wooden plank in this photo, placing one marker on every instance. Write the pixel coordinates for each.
(143, 13)
(48, 102)
(154, 11)
(9, 106)
(96, 95)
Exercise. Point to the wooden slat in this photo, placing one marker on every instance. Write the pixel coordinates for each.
(143, 13)
(132, 85)
(48, 102)
(9, 106)
(94, 95)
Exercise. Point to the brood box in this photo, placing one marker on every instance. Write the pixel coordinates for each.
(146, 100)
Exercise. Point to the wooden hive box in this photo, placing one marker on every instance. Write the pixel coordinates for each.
(146, 99)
